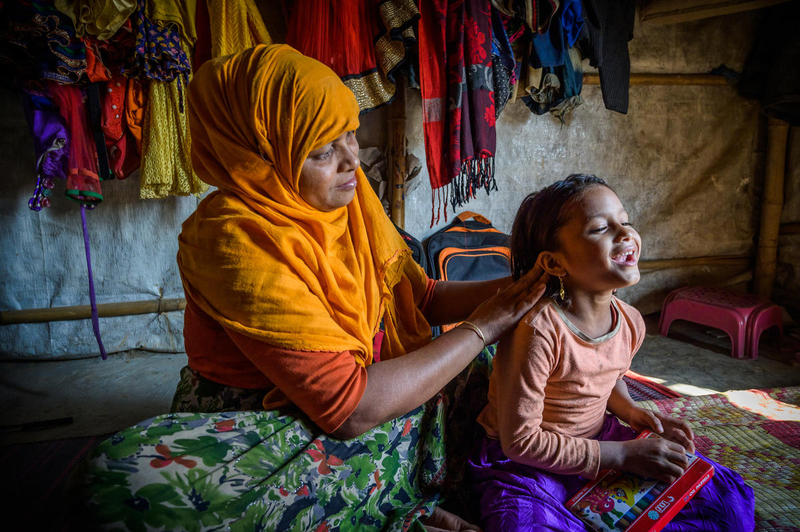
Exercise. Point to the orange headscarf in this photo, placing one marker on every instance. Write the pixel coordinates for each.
(257, 257)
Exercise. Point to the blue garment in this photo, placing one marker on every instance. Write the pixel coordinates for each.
(571, 21)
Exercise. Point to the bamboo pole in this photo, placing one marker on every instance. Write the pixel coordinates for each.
(82, 312)
(664, 79)
(397, 170)
(720, 260)
(743, 277)
(771, 207)
(159, 306)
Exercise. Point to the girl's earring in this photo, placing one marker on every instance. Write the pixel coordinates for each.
(561, 293)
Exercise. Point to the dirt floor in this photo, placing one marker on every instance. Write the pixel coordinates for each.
(94, 396)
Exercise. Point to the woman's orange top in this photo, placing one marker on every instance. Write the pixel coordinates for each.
(327, 386)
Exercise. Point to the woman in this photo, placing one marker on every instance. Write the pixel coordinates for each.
(291, 269)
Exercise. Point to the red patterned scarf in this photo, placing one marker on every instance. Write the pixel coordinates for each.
(458, 112)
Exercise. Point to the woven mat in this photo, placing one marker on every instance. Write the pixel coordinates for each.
(641, 388)
(757, 434)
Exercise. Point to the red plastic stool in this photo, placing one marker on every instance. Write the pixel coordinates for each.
(743, 316)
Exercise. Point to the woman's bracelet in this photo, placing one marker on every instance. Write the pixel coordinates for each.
(471, 326)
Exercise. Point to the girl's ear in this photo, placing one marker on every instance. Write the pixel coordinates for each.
(551, 263)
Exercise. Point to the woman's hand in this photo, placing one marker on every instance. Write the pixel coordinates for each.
(444, 521)
(502, 311)
(668, 427)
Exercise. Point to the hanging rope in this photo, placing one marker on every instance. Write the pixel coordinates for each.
(92, 299)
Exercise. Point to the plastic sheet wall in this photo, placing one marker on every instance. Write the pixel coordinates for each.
(43, 263)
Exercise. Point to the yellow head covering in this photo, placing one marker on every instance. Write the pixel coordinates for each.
(257, 257)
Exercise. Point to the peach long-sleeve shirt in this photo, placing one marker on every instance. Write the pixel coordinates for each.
(550, 385)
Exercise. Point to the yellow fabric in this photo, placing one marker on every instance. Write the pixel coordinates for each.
(181, 13)
(99, 18)
(257, 257)
(236, 25)
(166, 146)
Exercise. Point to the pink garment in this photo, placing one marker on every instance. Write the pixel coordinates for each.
(550, 385)
(83, 183)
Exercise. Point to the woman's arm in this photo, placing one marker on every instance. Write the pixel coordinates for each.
(454, 301)
(397, 386)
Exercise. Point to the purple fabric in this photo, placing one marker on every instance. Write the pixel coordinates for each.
(515, 497)
(49, 135)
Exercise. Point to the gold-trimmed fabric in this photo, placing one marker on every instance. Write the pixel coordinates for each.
(372, 90)
(381, 34)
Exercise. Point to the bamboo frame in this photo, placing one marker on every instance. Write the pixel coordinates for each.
(720, 260)
(744, 277)
(661, 12)
(771, 207)
(665, 79)
(160, 306)
(790, 229)
(82, 312)
(396, 152)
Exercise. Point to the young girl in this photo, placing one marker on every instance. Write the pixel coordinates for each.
(556, 375)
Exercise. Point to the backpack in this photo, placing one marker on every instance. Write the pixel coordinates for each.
(468, 249)
(417, 251)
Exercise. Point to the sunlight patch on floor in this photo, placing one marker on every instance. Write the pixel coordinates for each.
(760, 403)
(688, 389)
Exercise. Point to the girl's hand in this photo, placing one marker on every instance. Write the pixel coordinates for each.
(670, 428)
(502, 311)
(655, 458)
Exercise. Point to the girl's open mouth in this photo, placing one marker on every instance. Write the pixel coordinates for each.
(626, 258)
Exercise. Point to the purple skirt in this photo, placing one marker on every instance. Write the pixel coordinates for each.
(515, 497)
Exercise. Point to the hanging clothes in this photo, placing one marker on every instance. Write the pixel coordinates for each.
(38, 42)
(100, 18)
(609, 28)
(163, 61)
(135, 106)
(364, 41)
(166, 146)
(175, 13)
(235, 26)
(542, 36)
(458, 111)
(83, 181)
(503, 65)
(50, 146)
(202, 46)
(158, 51)
(393, 45)
(112, 124)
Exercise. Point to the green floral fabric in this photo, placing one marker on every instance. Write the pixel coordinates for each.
(269, 470)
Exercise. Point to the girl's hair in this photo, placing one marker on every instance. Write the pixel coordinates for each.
(538, 220)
